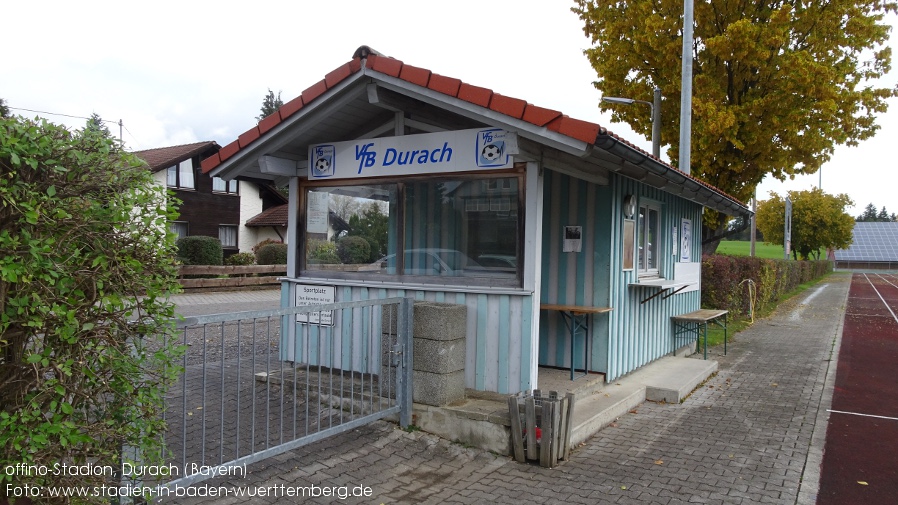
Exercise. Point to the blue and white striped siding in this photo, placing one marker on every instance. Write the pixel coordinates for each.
(633, 334)
(573, 278)
(641, 333)
(498, 342)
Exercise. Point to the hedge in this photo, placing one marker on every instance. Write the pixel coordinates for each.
(725, 280)
(272, 254)
(200, 250)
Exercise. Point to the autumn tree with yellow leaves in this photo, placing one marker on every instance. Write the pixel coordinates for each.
(777, 85)
(819, 221)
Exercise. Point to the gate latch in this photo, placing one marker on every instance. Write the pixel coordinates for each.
(395, 355)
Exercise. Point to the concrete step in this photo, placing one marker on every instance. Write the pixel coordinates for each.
(672, 379)
(600, 408)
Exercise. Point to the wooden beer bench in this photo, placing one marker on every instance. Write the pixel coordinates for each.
(576, 317)
(697, 323)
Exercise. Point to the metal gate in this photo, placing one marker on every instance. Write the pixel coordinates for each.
(249, 391)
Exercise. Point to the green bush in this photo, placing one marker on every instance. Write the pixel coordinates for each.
(265, 243)
(272, 254)
(353, 250)
(200, 250)
(725, 280)
(244, 258)
(323, 252)
(86, 267)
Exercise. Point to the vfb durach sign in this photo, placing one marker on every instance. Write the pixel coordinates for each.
(454, 151)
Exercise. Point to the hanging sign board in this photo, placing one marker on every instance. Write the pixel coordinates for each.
(312, 294)
(452, 151)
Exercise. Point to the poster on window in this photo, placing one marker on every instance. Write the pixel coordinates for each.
(573, 238)
(686, 240)
(316, 212)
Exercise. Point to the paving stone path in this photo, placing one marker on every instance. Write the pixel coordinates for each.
(750, 434)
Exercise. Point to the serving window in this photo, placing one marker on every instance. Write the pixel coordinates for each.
(463, 230)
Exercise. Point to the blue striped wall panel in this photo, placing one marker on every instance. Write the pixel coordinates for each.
(498, 348)
(633, 334)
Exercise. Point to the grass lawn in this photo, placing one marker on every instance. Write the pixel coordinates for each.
(762, 250)
(743, 247)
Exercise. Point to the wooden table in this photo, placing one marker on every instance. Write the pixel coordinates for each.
(576, 317)
(697, 322)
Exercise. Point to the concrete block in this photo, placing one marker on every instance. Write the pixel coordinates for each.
(438, 389)
(431, 320)
(439, 356)
(440, 321)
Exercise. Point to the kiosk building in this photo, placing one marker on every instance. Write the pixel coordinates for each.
(530, 219)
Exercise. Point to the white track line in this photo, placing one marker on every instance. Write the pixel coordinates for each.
(864, 415)
(881, 298)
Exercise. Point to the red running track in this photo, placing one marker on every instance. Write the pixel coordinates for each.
(860, 460)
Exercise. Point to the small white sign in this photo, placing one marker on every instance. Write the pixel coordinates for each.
(311, 294)
(573, 238)
(316, 212)
(452, 151)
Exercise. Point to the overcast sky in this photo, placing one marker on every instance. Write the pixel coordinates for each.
(181, 72)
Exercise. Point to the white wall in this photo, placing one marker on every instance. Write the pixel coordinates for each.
(250, 206)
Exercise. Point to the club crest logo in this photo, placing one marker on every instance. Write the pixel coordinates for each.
(323, 161)
(490, 148)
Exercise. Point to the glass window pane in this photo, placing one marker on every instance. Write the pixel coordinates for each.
(640, 227)
(232, 186)
(462, 228)
(185, 173)
(368, 212)
(218, 184)
(652, 238)
(227, 234)
(179, 228)
(172, 177)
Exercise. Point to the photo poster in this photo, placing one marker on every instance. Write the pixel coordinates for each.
(573, 238)
(629, 257)
(686, 240)
(316, 212)
(312, 294)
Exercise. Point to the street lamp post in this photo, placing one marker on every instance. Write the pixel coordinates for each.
(655, 107)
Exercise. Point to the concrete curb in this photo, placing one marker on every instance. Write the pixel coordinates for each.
(810, 476)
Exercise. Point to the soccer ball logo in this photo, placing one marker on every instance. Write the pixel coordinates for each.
(491, 152)
(322, 165)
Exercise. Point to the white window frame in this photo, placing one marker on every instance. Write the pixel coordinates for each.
(219, 185)
(182, 175)
(644, 232)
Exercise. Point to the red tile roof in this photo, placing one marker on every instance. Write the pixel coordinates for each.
(275, 216)
(484, 97)
(164, 157)
(555, 121)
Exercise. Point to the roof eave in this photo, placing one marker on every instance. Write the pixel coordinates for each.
(525, 129)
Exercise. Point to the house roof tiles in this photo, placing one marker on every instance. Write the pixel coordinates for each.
(555, 121)
(164, 157)
(275, 216)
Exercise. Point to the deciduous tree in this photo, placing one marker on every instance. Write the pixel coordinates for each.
(819, 221)
(86, 266)
(776, 86)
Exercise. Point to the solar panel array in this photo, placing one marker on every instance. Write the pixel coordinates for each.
(872, 242)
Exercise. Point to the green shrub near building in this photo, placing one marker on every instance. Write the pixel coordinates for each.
(272, 254)
(200, 250)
